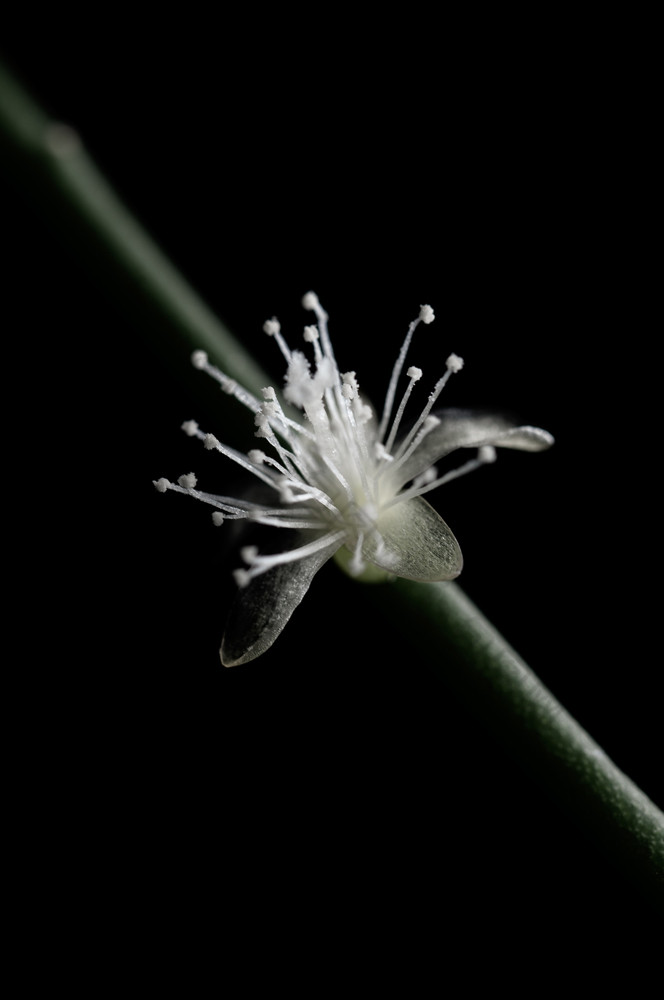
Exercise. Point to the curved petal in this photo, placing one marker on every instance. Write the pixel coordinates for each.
(468, 429)
(262, 608)
(418, 545)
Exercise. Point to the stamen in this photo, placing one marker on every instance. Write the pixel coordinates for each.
(357, 564)
(426, 316)
(414, 374)
(430, 422)
(260, 564)
(485, 454)
(199, 359)
(454, 364)
(272, 328)
(310, 301)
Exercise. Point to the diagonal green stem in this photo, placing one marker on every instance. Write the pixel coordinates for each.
(50, 159)
(499, 687)
(455, 637)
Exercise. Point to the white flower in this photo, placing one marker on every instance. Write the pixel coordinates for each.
(341, 481)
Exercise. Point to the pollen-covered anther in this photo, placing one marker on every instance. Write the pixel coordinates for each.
(199, 359)
(210, 442)
(262, 425)
(271, 326)
(414, 373)
(217, 518)
(188, 481)
(242, 577)
(428, 476)
(190, 428)
(310, 334)
(257, 456)
(487, 454)
(161, 485)
(454, 363)
(249, 553)
(269, 394)
(310, 300)
(426, 314)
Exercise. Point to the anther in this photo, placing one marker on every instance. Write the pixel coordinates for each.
(271, 326)
(187, 482)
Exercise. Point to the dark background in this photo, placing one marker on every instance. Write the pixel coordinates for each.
(337, 771)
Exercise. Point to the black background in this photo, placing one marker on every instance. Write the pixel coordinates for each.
(336, 772)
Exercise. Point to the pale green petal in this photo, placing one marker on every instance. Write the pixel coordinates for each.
(469, 429)
(262, 609)
(418, 544)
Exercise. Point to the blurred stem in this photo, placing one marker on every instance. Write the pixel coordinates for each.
(471, 656)
(455, 639)
(52, 166)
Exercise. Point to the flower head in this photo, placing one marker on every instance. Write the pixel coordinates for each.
(341, 481)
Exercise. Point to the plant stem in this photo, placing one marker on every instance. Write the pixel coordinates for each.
(470, 655)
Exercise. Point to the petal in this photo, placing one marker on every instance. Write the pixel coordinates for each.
(262, 608)
(418, 544)
(468, 429)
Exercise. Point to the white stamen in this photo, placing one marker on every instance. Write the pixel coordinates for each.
(273, 329)
(396, 372)
(414, 374)
(470, 466)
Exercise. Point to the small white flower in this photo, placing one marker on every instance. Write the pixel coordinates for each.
(344, 483)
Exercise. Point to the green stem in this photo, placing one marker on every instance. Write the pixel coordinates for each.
(50, 160)
(453, 634)
(456, 639)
